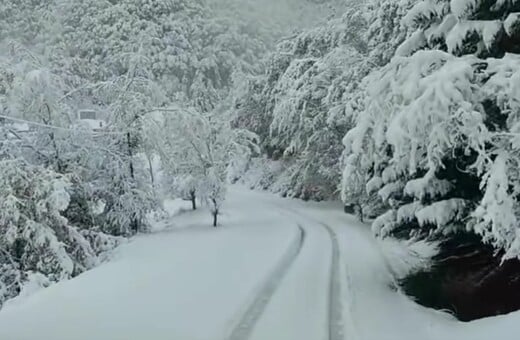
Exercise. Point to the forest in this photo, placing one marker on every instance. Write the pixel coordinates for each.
(406, 111)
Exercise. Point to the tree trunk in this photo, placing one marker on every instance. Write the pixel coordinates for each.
(215, 212)
(359, 212)
(193, 200)
(130, 156)
(134, 223)
(150, 170)
(59, 165)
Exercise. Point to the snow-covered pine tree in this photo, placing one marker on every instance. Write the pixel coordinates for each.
(385, 32)
(435, 139)
(436, 134)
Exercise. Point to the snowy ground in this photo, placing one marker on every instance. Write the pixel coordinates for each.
(276, 269)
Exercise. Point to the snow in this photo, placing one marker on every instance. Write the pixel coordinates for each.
(462, 7)
(384, 223)
(488, 30)
(406, 257)
(176, 206)
(21, 127)
(59, 196)
(511, 23)
(441, 30)
(374, 184)
(161, 220)
(496, 222)
(92, 124)
(406, 212)
(412, 44)
(287, 310)
(423, 9)
(427, 186)
(148, 290)
(390, 188)
(257, 275)
(441, 213)
(35, 282)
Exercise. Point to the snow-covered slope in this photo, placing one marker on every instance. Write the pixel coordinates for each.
(275, 269)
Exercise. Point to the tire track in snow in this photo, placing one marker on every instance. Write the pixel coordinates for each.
(339, 318)
(247, 322)
(336, 326)
(349, 296)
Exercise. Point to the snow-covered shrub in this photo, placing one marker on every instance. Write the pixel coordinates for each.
(35, 238)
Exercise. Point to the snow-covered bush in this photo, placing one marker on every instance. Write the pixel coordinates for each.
(35, 238)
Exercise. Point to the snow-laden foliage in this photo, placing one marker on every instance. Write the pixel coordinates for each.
(36, 240)
(102, 163)
(193, 55)
(436, 131)
(25, 20)
(297, 107)
(385, 32)
(482, 28)
(276, 18)
(305, 103)
(197, 149)
(406, 257)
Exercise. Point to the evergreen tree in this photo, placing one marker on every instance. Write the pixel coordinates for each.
(435, 137)
(297, 106)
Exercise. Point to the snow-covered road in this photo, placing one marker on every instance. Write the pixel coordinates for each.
(277, 269)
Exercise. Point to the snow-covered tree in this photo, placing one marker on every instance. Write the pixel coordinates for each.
(193, 55)
(435, 134)
(26, 21)
(36, 241)
(385, 32)
(35, 96)
(197, 149)
(297, 107)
